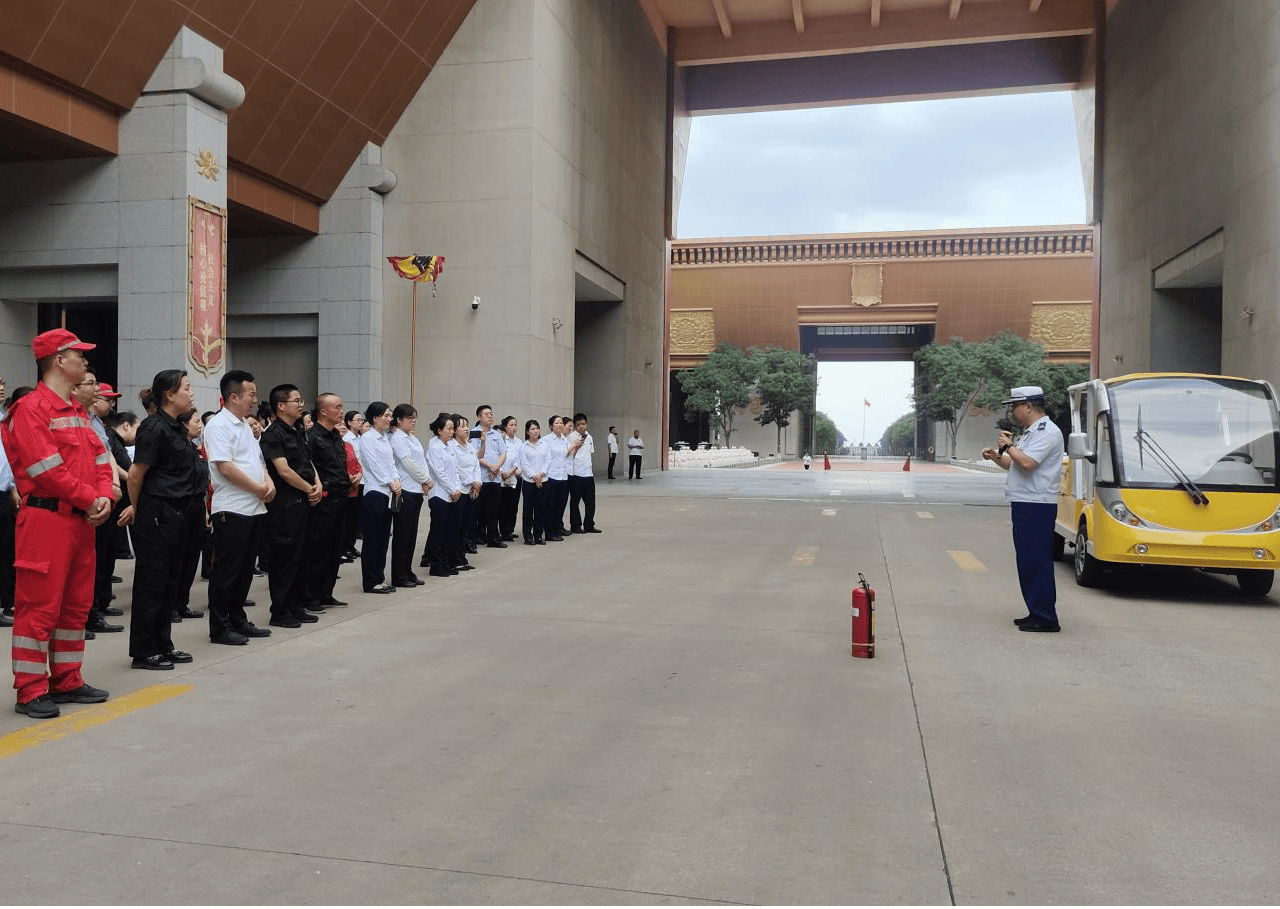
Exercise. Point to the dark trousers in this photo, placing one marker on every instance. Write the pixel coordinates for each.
(436, 553)
(582, 489)
(557, 497)
(510, 505)
(165, 532)
(206, 557)
(487, 507)
(404, 536)
(104, 544)
(535, 497)
(8, 529)
(470, 518)
(613, 456)
(455, 546)
(375, 524)
(325, 546)
(287, 516)
(633, 467)
(351, 521)
(235, 547)
(182, 593)
(1033, 547)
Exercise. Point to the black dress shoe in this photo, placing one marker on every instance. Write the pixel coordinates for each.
(178, 656)
(497, 544)
(1037, 625)
(554, 538)
(152, 662)
(249, 604)
(1023, 620)
(539, 541)
(102, 625)
(381, 588)
(175, 617)
(424, 562)
(306, 618)
(591, 530)
(90, 636)
(313, 607)
(331, 602)
(41, 708)
(528, 541)
(259, 573)
(251, 630)
(116, 579)
(466, 566)
(85, 694)
(289, 622)
(188, 613)
(233, 638)
(403, 582)
(113, 610)
(438, 572)
(509, 537)
(5, 621)
(471, 549)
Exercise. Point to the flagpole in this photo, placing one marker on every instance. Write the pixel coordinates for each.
(413, 341)
(864, 425)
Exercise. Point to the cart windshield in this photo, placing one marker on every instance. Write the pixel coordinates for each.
(1217, 433)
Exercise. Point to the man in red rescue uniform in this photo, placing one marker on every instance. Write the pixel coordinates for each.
(63, 475)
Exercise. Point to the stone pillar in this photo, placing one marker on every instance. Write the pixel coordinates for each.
(173, 148)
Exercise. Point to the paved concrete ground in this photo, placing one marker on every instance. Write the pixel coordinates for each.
(668, 712)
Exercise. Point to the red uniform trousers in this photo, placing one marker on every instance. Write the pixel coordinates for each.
(54, 557)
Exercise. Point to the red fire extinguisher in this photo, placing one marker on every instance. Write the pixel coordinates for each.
(864, 619)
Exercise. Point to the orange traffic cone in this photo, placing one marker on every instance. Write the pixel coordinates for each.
(907, 464)
(826, 462)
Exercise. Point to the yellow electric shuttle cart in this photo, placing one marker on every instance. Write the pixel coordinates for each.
(1172, 469)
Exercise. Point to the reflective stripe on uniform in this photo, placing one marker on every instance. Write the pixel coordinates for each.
(30, 668)
(41, 466)
(27, 643)
(67, 634)
(67, 656)
(68, 423)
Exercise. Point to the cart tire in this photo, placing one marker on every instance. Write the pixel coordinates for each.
(1088, 570)
(1255, 582)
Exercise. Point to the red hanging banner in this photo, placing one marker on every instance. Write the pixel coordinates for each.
(207, 287)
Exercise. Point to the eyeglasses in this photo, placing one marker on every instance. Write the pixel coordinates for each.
(80, 384)
(293, 400)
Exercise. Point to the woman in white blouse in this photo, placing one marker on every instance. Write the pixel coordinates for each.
(510, 501)
(381, 482)
(446, 489)
(469, 477)
(411, 464)
(557, 494)
(533, 470)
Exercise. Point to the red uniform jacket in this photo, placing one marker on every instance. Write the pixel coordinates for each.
(54, 451)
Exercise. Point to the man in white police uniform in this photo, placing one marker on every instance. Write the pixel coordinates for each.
(1034, 463)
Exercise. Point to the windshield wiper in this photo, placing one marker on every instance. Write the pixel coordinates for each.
(1163, 458)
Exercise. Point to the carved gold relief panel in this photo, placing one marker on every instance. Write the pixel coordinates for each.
(1062, 325)
(693, 331)
(866, 284)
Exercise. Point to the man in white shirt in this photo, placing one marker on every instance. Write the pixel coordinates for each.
(489, 445)
(582, 480)
(635, 452)
(1034, 463)
(613, 448)
(241, 489)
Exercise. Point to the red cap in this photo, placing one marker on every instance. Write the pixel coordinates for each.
(56, 341)
(106, 391)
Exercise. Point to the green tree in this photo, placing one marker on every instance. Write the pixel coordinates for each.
(825, 434)
(719, 385)
(959, 375)
(900, 437)
(784, 383)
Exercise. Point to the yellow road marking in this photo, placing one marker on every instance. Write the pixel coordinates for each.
(923, 514)
(966, 560)
(86, 717)
(804, 555)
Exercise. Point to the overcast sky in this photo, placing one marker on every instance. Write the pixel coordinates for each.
(1001, 161)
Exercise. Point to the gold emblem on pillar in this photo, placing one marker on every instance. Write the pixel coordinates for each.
(208, 165)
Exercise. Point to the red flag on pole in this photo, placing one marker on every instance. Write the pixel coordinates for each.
(866, 403)
(417, 268)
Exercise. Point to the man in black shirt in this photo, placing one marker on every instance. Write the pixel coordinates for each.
(325, 541)
(284, 448)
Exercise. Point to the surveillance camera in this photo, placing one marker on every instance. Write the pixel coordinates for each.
(475, 302)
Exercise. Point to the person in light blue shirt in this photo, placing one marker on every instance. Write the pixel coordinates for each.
(446, 489)
(488, 444)
(533, 476)
(381, 483)
(510, 497)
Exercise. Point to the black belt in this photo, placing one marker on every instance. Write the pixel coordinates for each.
(52, 505)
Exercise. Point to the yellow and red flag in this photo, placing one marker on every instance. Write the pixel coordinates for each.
(417, 268)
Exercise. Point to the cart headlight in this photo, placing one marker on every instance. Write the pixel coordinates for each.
(1121, 513)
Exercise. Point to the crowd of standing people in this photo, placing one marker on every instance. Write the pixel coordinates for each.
(257, 486)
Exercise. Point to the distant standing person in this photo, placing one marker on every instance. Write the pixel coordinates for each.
(1034, 463)
(635, 454)
(613, 449)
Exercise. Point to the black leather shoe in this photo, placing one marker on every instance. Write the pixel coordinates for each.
(437, 572)
(249, 604)
(5, 621)
(466, 566)
(259, 573)
(539, 541)
(116, 579)
(381, 588)
(306, 618)
(85, 694)
(332, 603)
(1037, 625)
(497, 544)
(591, 530)
(250, 630)
(528, 541)
(471, 550)
(554, 538)
(41, 708)
(152, 662)
(313, 607)
(175, 617)
(90, 636)
(101, 625)
(509, 537)
(113, 610)
(424, 563)
(1023, 620)
(178, 656)
(233, 638)
(284, 623)
(188, 613)
(403, 582)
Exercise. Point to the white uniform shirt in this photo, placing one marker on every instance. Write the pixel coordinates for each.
(495, 446)
(354, 439)
(512, 447)
(443, 467)
(468, 465)
(379, 462)
(229, 438)
(557, 462)
(1042, 442)
(580, 460)
(533, 459)
(411, 461)
(613, 443)
(634, 445)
